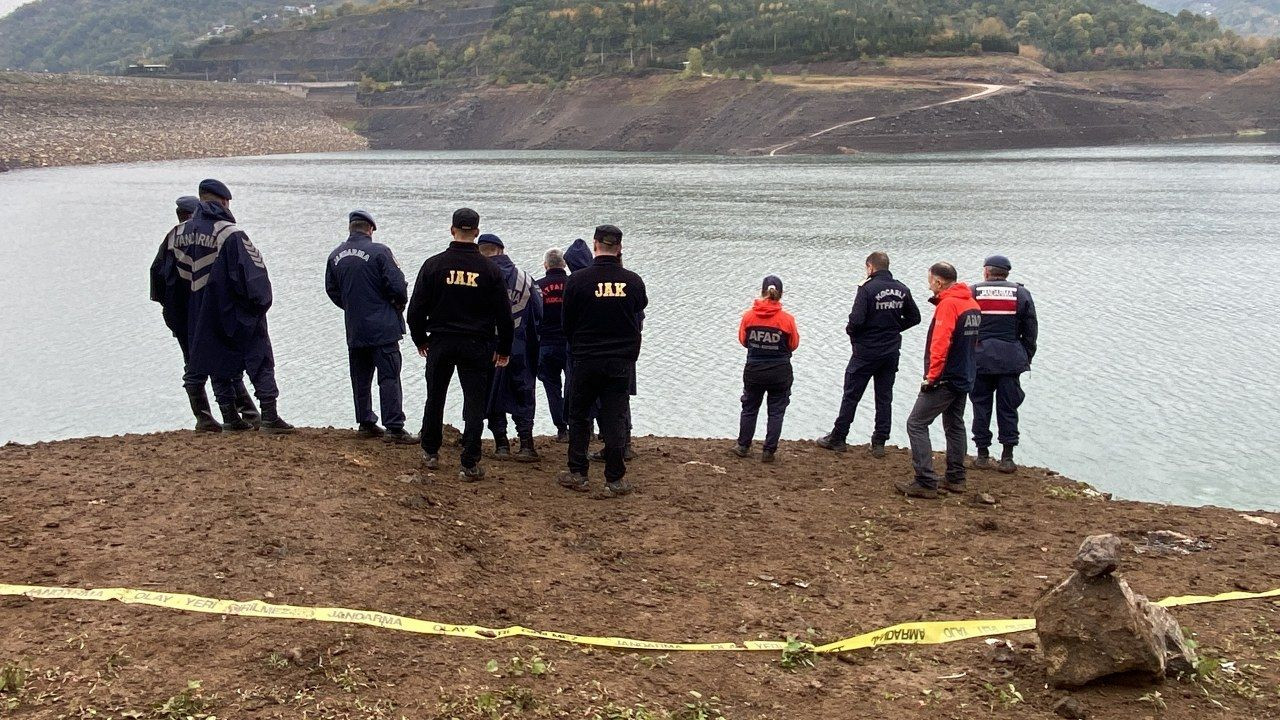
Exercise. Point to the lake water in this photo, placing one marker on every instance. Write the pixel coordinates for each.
(1154, 269)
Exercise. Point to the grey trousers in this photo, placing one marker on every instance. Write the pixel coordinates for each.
(929, 405)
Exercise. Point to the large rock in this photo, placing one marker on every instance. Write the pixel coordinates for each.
(1179, 657)
(1090, 628)
(1098, 555)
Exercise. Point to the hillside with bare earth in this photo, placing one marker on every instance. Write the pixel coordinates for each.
(50, 120)
(710, 548)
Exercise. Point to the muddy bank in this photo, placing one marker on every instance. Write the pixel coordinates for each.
(48, 120)
(1034, 108)
(710, 548)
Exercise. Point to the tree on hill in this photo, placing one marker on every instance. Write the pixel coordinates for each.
(693, 64)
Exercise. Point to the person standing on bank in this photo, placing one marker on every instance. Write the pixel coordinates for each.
(552, 350)
(172, 292)
(514, 388)
(1006, 346)
(459, 305)
(363, 278)
(882, 309)
(949, 371)
(603, 313)
(770, 336)
(228, 295)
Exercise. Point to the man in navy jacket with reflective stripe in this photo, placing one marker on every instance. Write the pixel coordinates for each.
(1006, 345)
(363, 278)
(227, 293)
(882, 309)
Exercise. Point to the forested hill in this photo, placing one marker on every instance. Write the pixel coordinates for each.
(555, 39)
(552, 40)
(100, 35)
(1247, 17)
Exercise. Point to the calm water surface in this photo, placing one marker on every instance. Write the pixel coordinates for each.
(1154, 270)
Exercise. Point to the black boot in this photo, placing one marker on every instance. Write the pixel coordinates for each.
(231, 420)
(983, 460)
(501, 447)
(200, 408)
(244, 403)
(527, 453)
(1007, 465)
(271, 421)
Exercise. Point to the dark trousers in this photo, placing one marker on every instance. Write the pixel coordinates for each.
(259, 365)
(385, 361)
(752, 395)
(607, 380)
(473, 360)
(859, 372)
(191, 380)
(552, 366)
(1004, 392)
(948, 403)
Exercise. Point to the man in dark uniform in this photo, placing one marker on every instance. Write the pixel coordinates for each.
(552, 350)
(1006, 345)
(459, 305)
(603, 312)
(363, 278)
(882, 309)
(172, 299)
(515, 386)
(227, 294)
(949, 370)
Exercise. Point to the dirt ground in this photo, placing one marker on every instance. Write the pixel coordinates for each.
(710, 548)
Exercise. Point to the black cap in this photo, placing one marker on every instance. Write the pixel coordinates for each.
(362, 215)
(215, 187)
(771, 280)
(490, 239)
(466, 219)
(608, 234)
(188, 204)
(998, 261)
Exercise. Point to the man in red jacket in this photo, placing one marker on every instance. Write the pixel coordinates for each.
(949, 371)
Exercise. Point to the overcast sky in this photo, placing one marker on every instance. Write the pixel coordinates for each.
(7, 6)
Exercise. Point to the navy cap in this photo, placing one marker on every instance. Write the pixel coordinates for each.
(362, 215)
(608, 234)
(215, 187)
(466, 219)
(490, 239)
(773, 280)
(188, 203)
(998, 261)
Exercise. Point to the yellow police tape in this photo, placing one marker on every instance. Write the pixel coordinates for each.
(914, 633)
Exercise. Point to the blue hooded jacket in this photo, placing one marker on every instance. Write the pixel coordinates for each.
(578, 256)
(363, 278)
(210, 266)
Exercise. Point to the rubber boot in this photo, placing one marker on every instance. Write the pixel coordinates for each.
(244, 403)
(231, 420)
(205, 421)
(271, 421)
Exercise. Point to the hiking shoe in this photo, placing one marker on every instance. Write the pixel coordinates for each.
(475, 473)
(398, 436)
(916, 490)
(742, 451)
(877, 450)
(954, 486)
(370, 430)
(613, 490)
(1007, 466)
(502, 452)
(430, 460)
(574, 481)
(526, 454)
(826, 443)
(983, 461)
(562, 436)
(767, 456)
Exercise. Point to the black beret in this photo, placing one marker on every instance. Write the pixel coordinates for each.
(215, 187)
(362, 215)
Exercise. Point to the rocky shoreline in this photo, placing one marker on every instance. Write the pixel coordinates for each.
(711, 547)
(50, 120)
